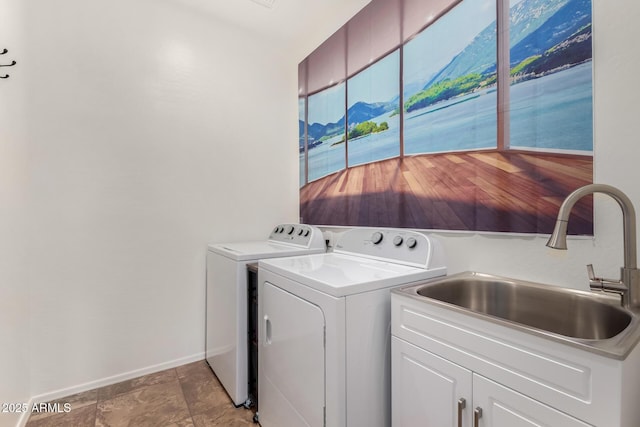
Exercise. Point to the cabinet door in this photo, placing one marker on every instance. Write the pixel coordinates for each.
(426, 390)
(503, 407)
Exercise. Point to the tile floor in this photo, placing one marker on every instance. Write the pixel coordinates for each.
(186, 396)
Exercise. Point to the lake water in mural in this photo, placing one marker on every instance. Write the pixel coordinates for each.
(562, 118)
(467, 123)
(563, 122)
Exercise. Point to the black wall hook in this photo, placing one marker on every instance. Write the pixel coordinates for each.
(6, 76)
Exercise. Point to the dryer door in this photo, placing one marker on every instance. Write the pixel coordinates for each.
(292, 354)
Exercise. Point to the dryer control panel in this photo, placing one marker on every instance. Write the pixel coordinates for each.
(299, 234)
(397, 245)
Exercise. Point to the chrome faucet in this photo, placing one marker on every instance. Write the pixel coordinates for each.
(629, 284)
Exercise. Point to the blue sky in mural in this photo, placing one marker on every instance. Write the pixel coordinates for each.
(377, 83)
(432, 49)
(327, 106)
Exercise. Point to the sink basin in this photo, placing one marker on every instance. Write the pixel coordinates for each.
(558, 310)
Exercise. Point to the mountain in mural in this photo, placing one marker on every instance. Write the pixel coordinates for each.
(568, 20)
(318, 131)
(535, 27)
(362, 111)
(357, 113)
(575, 50)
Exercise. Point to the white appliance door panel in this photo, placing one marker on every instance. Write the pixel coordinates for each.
(292, 372)
(226, 342)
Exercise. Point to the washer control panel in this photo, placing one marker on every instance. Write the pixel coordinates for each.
(300, 234)
(392, 244)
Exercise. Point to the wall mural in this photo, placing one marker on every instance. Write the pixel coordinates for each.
(423, 127)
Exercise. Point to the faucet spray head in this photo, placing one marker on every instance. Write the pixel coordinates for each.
(558, 239)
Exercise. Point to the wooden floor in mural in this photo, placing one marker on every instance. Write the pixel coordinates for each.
(506, 191)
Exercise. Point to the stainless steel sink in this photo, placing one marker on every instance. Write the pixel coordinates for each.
(570, 315)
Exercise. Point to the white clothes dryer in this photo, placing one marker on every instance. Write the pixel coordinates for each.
(226, 312)
(325, 343)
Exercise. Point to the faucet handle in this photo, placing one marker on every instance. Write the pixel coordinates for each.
(595, 283)
(606, 285)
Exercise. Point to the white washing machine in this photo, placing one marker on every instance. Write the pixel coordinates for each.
(325, 342)
(226, 313)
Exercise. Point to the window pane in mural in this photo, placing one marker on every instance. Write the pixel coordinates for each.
(551, 86)
(301, 155)
(450, 82)
(325, 131)
(374, 102)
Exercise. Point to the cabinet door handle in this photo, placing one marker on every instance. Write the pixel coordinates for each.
(462, 403)
(477, 414)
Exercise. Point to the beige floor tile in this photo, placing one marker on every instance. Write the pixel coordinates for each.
(82, 417)
(195, 370)
(226, 417)
(184, 423)
(188, 396)
(76, 401)
(154, 405)
(111, 391)
(202, 391)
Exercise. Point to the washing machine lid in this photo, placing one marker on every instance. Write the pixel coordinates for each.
(343, 274)
(248, 251)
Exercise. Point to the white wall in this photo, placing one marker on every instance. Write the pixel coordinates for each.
(14, 291)
(616, 162)
(153, 130)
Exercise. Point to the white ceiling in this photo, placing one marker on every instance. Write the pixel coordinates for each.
(300, 25)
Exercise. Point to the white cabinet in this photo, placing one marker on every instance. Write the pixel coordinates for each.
(517, 378)
(428, 390)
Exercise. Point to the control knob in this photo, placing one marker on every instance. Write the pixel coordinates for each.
(376, 237)
(412, 242)
(397, 240)
(290, 229)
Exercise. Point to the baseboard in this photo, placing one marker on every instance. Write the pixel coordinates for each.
(22, 421)
(57, 394)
